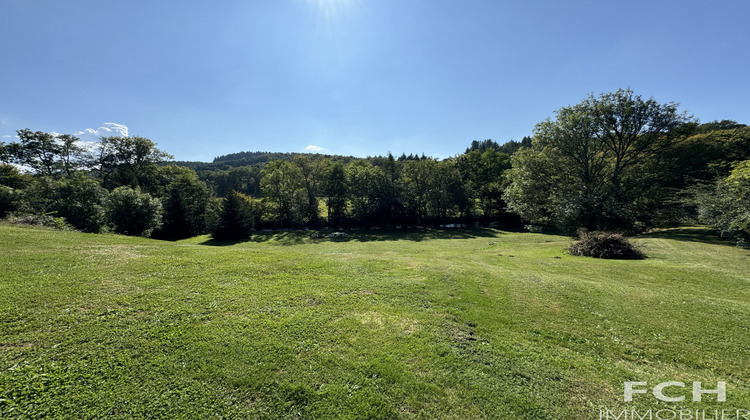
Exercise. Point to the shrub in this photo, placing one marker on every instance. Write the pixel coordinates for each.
(607, 245)
(8, 200)
(133, 212)
(79, 199)
(37, 197)
(41, 220)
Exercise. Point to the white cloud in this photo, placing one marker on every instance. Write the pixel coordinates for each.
(4, 121)
(105, 130)
(312, 148)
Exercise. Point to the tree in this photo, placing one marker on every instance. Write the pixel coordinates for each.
(738, 185)
(71, 154)
(132, 212)
(447, 193)
(8, 200)
(128, 161)
(377, 191)
(281, 184)
(591, 161)
(45, 154)
(387, 193)
(38, 196)
(535, 179)
(10, 176)
(513, 146)
(335, 193)
(719, 125)
(310, 180)
(185, 201)
(483, 173)
(244, 179)
(706, 155)
(239, 214)
(483, 146)
(11, 180)
(726, 206)
(632, 129)
(9, 152)
(701, 159)
(38, 151)
(493, 165)
(361, 177)
(419, 179)
(80, 200)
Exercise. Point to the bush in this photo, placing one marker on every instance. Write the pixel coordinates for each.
(37, 197)
(607, 245)
(79, 199)
(133, 212)
(8, 200)
(41, 220)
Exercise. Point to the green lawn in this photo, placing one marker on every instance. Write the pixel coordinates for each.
(406, 324)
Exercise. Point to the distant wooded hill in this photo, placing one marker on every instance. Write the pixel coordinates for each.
(234, 160)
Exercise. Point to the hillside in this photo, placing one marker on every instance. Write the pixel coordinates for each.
(240, 159)
(405, 324)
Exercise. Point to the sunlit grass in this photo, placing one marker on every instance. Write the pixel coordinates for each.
(402, 324)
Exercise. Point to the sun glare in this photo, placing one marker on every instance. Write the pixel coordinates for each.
(330, 9)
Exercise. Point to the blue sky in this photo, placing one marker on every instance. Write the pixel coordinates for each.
(355, 77)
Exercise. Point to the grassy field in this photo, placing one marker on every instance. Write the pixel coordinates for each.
(407, 324)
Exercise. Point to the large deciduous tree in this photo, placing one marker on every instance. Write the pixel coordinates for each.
(128, 161)
(310, 172)
(587, 167)
(282, 186)
(483, 174)
(419, 177)
(39, 151)
(44, 154)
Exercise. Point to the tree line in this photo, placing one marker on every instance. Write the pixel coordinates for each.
(127, 185)
(616, 161)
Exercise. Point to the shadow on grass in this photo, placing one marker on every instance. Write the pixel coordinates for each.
(701, 234)
(295, 237)
(215, 242)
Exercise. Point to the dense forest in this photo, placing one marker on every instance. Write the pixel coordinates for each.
(615, 162)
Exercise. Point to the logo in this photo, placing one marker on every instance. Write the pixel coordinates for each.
(674, 392)
(659, 391)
